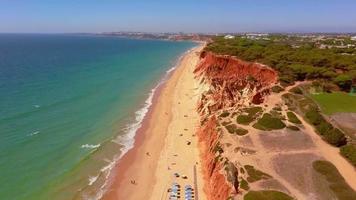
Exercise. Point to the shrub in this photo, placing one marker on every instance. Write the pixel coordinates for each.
(335, 137)
(286, 80)
(293, 118)
(224, 114)
(233, 129)
(349, 152)
(337, 183)
(267, 195)
(241, 131)
(323, 127)
(244, 184)
(268, 122)
(330, 134)
(226, 123)
(277, 89)
(296, 90)
(254, 174)
(314, 116)
(306, 104)
(277, 108)
(244, 119)
(252, 111)
(276, 114)
(344, 81)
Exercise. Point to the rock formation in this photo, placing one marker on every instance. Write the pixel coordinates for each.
(226, 82)
(232, 81)
(216, 187)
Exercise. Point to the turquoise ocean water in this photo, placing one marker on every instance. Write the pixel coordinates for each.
(69, 107)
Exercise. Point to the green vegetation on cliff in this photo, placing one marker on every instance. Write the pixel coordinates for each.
(252, 113)
(267, 195)
(293, 62)
(233, 129)
(255, 174)
(293, 118)
(269, 122)
(244, 184)
(349, 151)
(244, 119)
(337, 183)
(224, 114)
(330, 134)
(309, 110)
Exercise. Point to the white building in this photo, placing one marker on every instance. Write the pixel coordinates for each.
(229, 37)
(353, 38)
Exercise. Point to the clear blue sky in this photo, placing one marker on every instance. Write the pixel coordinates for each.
(177, 15)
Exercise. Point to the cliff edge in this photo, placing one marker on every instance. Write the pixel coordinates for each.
(226, 83)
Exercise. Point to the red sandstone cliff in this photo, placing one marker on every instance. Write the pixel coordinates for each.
(232, 80)
(228, 82)
(216, 187)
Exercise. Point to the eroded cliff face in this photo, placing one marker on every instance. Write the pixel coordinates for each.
(216, 186)
(226, 82)
(231, 82)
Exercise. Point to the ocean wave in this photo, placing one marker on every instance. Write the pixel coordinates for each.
(33, 133)
(170, 70)
(128, 138)
(90, 146)
(105, 171)
(92, 179)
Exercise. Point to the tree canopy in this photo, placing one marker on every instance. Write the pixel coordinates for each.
(294, 60)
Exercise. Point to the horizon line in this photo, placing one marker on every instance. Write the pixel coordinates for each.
(200, 33)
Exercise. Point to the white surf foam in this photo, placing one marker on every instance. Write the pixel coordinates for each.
(90, 146)
(33, 133)
(92, 179)
(128, 138)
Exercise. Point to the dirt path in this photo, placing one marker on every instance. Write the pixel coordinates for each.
(286, 155)
(331, 154)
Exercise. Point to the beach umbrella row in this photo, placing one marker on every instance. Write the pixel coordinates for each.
(174, 192)
(189, 194)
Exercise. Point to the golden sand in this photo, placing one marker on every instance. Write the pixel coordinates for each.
(166, 144)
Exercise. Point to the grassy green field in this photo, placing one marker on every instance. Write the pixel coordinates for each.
(331, 103)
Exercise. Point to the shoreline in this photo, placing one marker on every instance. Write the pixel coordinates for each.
(140, 162)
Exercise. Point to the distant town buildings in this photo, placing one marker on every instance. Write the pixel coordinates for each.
(319, 40)
(229, 37)
(162, 36)
(256, 36)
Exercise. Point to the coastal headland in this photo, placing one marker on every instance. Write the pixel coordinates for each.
(236, 129)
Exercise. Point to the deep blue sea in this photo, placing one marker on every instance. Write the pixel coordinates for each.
(69, 107)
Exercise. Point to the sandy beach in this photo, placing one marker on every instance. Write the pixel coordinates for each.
(166, 143)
